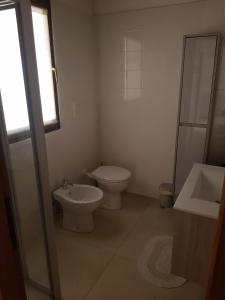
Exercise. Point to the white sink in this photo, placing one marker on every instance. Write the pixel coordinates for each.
(197, 210)
(202, 190)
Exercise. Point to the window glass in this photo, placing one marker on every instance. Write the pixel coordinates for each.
(11, 72)
(43, 54)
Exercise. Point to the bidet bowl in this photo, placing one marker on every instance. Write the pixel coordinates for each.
(79, 202)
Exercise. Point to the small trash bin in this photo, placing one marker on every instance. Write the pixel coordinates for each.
(166, 195)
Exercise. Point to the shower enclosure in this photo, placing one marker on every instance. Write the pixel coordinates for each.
(26, 161)
(200, 60)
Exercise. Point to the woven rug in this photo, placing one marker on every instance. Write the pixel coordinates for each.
(154, 263)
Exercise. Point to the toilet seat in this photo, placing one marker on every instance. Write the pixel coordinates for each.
(111, 174)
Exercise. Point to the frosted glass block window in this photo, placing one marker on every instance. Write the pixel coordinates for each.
(133, 49)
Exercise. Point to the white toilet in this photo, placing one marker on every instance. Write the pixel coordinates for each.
(112, 180)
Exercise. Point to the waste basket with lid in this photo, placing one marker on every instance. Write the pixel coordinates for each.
(166, 194)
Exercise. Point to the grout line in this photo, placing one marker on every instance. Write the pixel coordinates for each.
(130, 10)
(115, 254)
(129, 232)
(100, 276)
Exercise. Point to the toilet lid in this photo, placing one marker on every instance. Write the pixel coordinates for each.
(110, 173)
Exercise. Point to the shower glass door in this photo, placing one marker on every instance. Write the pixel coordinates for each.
(197, 91)
(21, 117)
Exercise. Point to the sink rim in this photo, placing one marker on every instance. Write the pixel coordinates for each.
(201, 207)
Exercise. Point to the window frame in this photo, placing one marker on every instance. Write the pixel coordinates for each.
(25, 134)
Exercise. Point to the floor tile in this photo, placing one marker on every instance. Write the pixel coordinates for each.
(112, 227)
(34, 294)
(154, 221)
(36, 262)
(80, 267)
(121, 280)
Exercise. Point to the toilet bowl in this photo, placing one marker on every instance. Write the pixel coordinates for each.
(78, 203)
(112, 180)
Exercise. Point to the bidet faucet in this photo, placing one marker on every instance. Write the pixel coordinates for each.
(66, 183)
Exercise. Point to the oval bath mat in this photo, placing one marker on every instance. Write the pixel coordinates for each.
(154, 263)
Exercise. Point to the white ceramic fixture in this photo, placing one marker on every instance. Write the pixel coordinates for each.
(78, 203)
(197, 210)
(112, 180)
(201, 192)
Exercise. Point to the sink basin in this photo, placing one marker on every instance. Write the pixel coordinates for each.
(209, 184)
(202, 190)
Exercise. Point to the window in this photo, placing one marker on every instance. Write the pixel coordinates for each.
(11, 72)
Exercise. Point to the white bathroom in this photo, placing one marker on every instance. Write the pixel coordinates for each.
(112, 146)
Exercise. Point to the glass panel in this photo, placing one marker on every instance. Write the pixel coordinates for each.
(15, 111)
(191, 148)
(11, 74)
(21, 154)
(197, 79)
(44, 64)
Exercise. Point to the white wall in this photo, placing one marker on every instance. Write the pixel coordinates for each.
(138, 126)
(76, 145)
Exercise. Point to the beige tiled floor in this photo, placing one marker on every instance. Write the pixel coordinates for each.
(121, 280)
(36, 262)
(34, 294)
(102, 265)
